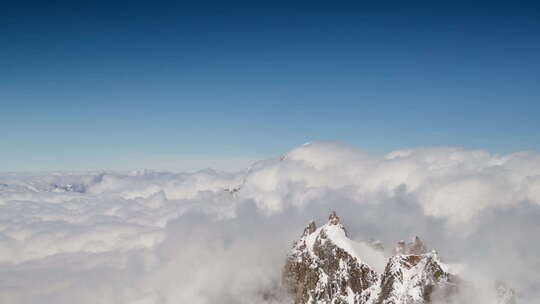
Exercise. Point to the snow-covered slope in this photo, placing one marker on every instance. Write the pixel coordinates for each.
(323, 267)
(414, 278)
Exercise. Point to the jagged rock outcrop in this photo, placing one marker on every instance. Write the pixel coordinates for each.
(413, 278)
(323, 268)
(413, 274)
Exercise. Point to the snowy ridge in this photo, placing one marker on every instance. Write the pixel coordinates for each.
(412, 278)
(333, 232)
(324, 268)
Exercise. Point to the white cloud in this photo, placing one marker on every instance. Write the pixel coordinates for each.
(153, 237)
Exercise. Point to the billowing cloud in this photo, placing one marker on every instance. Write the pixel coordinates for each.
(207, 237)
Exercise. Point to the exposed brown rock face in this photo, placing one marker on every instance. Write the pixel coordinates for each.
(319, 270)
(310, 228)
(333, 219)
(323, 267)
(411, 279)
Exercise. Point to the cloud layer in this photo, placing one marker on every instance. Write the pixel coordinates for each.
(207, 237)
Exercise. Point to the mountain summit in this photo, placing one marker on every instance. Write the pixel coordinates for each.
(323, 268)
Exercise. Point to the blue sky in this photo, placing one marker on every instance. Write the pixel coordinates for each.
(134, 84)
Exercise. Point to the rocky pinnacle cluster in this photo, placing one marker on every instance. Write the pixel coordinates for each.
(323, 268)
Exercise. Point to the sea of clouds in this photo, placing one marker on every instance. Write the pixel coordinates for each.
(215, 237)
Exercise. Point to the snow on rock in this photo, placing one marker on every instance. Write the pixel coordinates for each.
(323, 268)
(413, 278)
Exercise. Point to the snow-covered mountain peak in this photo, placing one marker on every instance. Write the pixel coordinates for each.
(323, 267)
(333, 233)
(413, 278)
(333, 219)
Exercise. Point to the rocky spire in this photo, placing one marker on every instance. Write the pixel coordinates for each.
(309, 229)
(323, 267)
(333, 219)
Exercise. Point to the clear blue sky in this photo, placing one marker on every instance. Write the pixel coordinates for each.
(112, 86)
